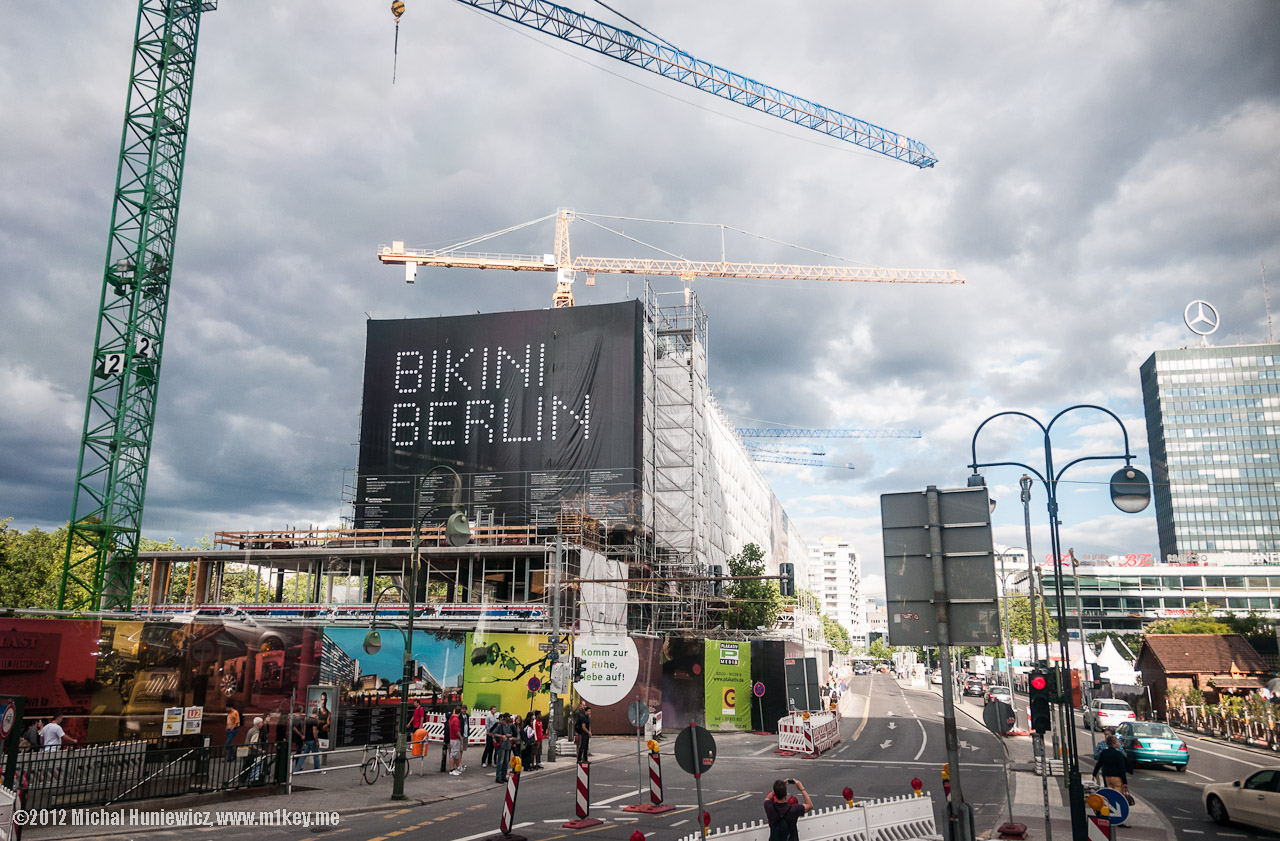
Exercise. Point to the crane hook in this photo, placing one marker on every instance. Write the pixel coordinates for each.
(397, 9)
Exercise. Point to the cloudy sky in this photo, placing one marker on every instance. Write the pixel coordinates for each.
(1101, 164)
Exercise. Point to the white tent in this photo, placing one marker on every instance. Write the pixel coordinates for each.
(1119, 668)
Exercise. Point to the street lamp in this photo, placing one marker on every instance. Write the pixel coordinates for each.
(1131, 493)
(457, 532)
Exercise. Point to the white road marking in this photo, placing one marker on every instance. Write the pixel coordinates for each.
(1232, 758)
(619, 797)
(886, 743)
(1203, 777)
(677, 823)
(924, 739)
(490, 832)
(1194, 831)
(763, 749)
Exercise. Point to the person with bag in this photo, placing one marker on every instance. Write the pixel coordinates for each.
(1114, 768)
(538, 734)
(502, 747)
(491, 722)
(528, 740)
(782, 811)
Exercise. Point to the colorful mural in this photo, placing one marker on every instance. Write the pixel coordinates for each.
(499, 668)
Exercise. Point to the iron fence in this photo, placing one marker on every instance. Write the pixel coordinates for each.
(100, 775)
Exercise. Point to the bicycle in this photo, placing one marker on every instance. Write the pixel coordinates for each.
(383, 757)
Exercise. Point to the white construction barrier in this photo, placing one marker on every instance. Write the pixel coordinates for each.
(8, 805)
(808, 736)
(434, 722)
(906, 818)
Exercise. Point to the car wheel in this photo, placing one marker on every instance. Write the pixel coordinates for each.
(1218, 811)
(1180, 768)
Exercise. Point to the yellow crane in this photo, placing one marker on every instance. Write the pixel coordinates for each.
(567, 267)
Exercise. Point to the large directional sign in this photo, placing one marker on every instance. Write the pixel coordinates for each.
(962, 520)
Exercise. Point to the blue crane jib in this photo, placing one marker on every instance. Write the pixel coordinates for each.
(676, 64)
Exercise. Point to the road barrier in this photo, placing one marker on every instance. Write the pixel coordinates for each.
(509, 804)
(8, 805)
(808, 735)
(891, 819)
(434, 724)
(655, 778)
(583, 801)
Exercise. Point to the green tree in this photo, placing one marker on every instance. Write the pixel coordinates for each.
(1019, 608)
(837, 637)
(880, 650)
(751, 603)
(1201, 621)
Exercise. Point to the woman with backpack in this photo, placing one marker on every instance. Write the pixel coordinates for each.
(529, 738)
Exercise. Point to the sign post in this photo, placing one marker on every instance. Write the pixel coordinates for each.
(696, 753)
(757, 693)
(11, 708)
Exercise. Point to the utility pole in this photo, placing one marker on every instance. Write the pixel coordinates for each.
(555, 708)
(1025, 484)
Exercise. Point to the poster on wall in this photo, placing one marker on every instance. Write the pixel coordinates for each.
(322, 705)
(728, 685)
(613, 663)
(499, 669)
(682, 681)
(535, 409)
(52, 663)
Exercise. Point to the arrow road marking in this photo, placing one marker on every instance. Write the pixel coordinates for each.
(893, 725)
(886, 743)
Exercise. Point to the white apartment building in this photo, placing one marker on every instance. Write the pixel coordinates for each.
(877, 619)
(835, 578)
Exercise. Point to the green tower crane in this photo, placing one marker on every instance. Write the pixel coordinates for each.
(111, 478)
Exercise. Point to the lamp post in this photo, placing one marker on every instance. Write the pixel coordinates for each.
(1131, 493)
(1008, 632)
(457, 532)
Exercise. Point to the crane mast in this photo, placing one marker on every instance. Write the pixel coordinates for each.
(111, 476)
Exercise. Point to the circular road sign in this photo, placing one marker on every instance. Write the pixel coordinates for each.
(1119, 805)
(535, 683)
(758, 690)
(638, 713)
(706, 754)
(6, 721)
(998, 717)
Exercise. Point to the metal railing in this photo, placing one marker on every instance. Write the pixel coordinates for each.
(100, 775)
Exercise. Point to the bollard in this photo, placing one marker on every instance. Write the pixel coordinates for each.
(583, 800)
(655, 805)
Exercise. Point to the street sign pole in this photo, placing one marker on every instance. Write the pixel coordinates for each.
(697, 777)
(957, 809)
(555, 707)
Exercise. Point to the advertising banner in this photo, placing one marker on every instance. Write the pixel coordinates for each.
(728, 685)
(534, 409)
(613, 662)
(499, 669)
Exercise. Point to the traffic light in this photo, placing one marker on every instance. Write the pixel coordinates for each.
(1041, 693)
(579, 668)
(717, 586)
(1097, 674)
(787, 582)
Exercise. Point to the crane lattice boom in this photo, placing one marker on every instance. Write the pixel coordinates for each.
(798, 432)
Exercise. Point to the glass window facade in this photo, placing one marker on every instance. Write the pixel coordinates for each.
(1213, 427)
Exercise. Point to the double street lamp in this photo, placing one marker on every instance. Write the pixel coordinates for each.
(1131, 493)
(457, 531)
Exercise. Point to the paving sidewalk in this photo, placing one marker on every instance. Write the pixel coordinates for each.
(1051, 821)
(337, 789)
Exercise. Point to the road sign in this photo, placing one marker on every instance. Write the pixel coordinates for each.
(1119, 805)
(706, 754)
(535, 683)
(638, 713)
(192, 719)
(999, 717)
(546, 646)
(758, 690)
(6, 721)
(963, 524)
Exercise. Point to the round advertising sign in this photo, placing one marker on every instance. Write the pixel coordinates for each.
(613, 663)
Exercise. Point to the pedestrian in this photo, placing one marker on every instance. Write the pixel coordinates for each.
(502, 748)
(491, 721)
(782, 811)
(419, 716)
(310, 742)
(1113, 766)
(444, 750)
(582, 731)
(1101, 745)
(296, 735)
(538, 733)
(233, 727)
(465, 720)
(255, 758)
(455, 742)
(52, 736)
(31, 736)
(529, 739)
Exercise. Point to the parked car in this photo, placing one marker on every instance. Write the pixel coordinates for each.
(936, 677)
(1149, 742)
(1107, 712)
(999, 693)
(1255, 800)
(862, 669)
(974, 687)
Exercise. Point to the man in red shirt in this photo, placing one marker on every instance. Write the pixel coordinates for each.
(455, 743)
(537, 736)
(783, 811)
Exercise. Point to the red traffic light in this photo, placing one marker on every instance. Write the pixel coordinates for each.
(1038, 682)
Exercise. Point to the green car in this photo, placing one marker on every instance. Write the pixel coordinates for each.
(1152, 743)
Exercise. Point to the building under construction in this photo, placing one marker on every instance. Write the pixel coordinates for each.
(583, 445)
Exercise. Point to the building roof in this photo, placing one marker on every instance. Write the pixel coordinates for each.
(1219, 654)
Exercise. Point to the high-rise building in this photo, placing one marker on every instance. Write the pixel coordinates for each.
(1213, 427)
(836, 580)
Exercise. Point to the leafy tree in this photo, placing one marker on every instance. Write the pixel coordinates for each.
(837, 637)
(1020, 612)
(880, 650)
(751, 603)
(30, 566)
(1201, 621)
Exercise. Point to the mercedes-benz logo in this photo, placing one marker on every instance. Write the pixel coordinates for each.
(1205, 320)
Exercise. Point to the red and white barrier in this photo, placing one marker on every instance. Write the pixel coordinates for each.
(583, 800)
(808, 736)
(509, 805)
(434, 724)
(655, 805)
